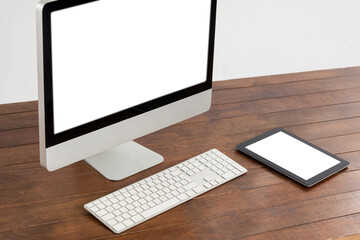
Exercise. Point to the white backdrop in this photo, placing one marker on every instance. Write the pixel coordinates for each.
(254, 38)
(266, 37)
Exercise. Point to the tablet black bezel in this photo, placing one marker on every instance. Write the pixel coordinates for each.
(308, 183)
(51, 138)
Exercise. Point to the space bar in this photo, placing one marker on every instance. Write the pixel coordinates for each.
(160, 207)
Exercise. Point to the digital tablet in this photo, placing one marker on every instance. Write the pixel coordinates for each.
(296, 158)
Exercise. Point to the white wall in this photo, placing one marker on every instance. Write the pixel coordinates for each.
(266, 37)
(17, 51)
(254, 38)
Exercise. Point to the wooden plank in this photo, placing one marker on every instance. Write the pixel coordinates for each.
(18, 107)
(352, 237)
(18, 120)
(19, 154)
(21, 136)
(353, 158)
(347, 143)
(327, 229)
(235, 95)
(271, 105)
(286, 78)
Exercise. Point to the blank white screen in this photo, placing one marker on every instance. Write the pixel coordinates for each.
(293, 155)
(114, 54)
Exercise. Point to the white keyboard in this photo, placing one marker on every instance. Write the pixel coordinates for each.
(138, 202)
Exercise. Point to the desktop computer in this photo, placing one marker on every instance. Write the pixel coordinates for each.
(111, 71)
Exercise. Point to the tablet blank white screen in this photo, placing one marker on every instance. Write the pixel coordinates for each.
(293, 155)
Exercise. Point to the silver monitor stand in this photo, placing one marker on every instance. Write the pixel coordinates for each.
(124, 160)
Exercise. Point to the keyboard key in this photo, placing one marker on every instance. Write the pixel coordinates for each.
(130, 207)
(182, 196)
(116, 212)
(162, 198)
(129, 200)
(132, 213)
(90, 205)
(110, 209)
(219, 180)
(112, 222)
(123, 210)
(116, 206)
(135, 198)
(176, 172)
(101, 212)
(169, 195)
(199, 189)
(119, 227)
(159, 208)
(129, 187)
(137, 218)
(139, 210)
(190, 186)
(228, 175)
(154, 195)
(101, 206)
(190, 193)
(208, 179)
(108, 216)
(145, 207)
(94, 209)
(128, 222)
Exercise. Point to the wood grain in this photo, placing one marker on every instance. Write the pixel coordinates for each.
(322, 107)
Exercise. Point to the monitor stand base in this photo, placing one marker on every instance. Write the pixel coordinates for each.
(124, 160)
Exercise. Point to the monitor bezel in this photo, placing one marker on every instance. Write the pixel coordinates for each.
(52, 139)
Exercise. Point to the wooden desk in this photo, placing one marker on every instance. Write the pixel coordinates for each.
(323, 107)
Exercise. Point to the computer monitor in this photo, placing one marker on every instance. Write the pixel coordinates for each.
(111, 71)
